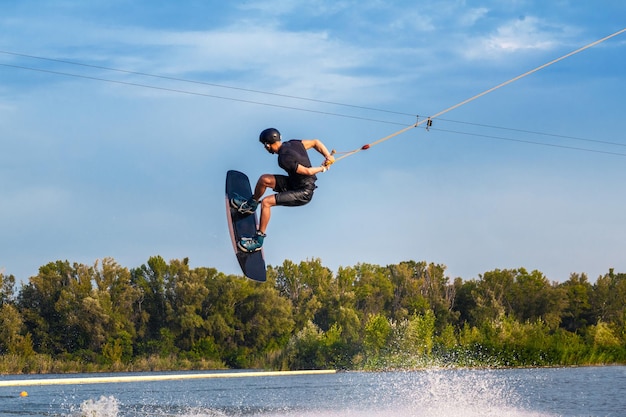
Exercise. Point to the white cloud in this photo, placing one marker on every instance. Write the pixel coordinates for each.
(471, 16)
(523, 34)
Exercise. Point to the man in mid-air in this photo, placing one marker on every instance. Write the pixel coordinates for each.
(294, 189)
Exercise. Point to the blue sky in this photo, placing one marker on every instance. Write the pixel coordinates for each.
(129, 164)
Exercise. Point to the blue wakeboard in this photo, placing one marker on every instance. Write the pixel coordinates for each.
(252, 263)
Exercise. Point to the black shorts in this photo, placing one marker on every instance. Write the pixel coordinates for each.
(286, 195)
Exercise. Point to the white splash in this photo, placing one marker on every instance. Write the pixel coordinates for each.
(103, 407)
(462, 394)
(433, 393)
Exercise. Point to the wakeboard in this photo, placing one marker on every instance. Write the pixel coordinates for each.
(252, 263)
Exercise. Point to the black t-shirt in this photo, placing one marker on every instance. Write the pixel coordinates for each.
(290, 154)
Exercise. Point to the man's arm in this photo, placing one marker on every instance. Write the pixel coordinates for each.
(321, 148)
(302, 170)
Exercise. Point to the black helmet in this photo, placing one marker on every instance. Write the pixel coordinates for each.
(270, 135)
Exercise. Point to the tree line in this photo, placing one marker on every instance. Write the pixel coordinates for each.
(167, 315)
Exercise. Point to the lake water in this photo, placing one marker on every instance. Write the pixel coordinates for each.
(593, 391)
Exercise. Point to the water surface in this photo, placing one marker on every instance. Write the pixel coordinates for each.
(593, 391)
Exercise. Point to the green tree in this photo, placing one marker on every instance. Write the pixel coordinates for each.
(49, 304)
(7, 285)
(186, 292)
(408, 295)
(305, 349)
(577, 313)
(78, 306)
(440, 294)
(304, 285)
(266, 319)
(491, 295)
(533, 297)
(373, 290)
(219, 314)
(419, 334)
(244, 320)
(306, 317)
(154, 308)
(377, 333)
(607, 300)
(13, 339)
(119, 301)
(603, 336)
(465, 303)
(338, 309)
(526, 296)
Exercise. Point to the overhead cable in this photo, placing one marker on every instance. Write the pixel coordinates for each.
(428, 120)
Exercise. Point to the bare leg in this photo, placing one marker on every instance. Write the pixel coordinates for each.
(265, 181)
(266, 205)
